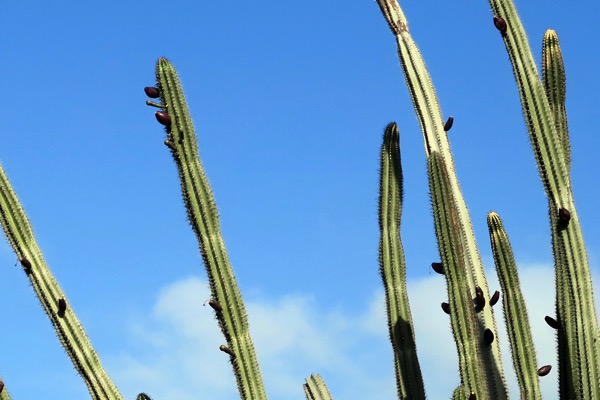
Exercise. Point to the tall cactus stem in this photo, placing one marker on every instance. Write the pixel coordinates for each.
(578, 350)
(430, 118)
(515, 311)
(203, 216)
(409, 380)
(68, 328)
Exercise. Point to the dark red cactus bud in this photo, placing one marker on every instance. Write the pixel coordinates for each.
(26, 265)
(215, 305)
(163, 118)
(227, 350)
(545, 370)
(446, 308)
(152, 92)
(488, 336)
(495, 297)
(438, 267)
(472, 396)
(500, 24)
(62, 306)
(551, 322)
(564, 216)
(479, 299)
(448, 124)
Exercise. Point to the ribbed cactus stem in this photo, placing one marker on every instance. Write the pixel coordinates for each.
(579, 353)
(555, 85)
(316, 389)
(435, 138)
(203, 216)
(409, 380)
(515, 311)
(68, 329)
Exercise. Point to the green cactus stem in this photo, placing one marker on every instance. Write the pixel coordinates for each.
(316, 389)
(543, 103)
(70, 332)
(203, 216)
(515, 311)
(409, 380)
(459, 226)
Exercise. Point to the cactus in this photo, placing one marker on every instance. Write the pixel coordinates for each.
(470, 303)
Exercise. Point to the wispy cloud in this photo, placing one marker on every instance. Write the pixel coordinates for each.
(174, 350)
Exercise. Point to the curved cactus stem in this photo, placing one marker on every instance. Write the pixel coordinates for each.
(204, 218)
(515, 311)
(409, 380)
(432, 126)
(316, 389)
(578, 350)
(70, 332)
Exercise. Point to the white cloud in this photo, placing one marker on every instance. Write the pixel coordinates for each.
(174, 352)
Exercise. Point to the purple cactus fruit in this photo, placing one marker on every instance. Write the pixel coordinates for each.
(488, 336)
(479, 299)
(446, 308)
(448, 124)
(500, 24)
(438, 267)
(545, 370)
(215, 305)
(163, 118)
(551, 322)
(495, 297)
(152, 92)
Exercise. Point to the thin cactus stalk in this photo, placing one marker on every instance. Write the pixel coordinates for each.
(409, 380)
(316, 389)
(515, 311)
(68, 329)
(204, 218)
(543, 109)
(432, 126)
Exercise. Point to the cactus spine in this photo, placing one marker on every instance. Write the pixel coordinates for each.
(204, 218)
(68, 329)
(409, 380)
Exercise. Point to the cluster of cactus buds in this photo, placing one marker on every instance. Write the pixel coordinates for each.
(162, 117)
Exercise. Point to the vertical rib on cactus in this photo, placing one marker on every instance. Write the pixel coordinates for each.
(316, 389)
(409, 380)
(70, 332)
(432, 126)
(579, 355)
(204, 218)
(515, 311)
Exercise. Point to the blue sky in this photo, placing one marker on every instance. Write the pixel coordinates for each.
(289, 101)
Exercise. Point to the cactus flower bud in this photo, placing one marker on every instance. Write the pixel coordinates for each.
(448, 124)
(26, 265)
(62, 306)
(545, 370)
(551, 322)
(215, 305)
(446, 308)
(438, 267)
(495, 297)
(500, 24)
(488, 336)
(227, 350)
(479, 299)
(564, 216)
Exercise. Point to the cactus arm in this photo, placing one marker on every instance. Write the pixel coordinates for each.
(579, 353)
(515, 311)
(70, 332)
(316, 389)
(409, 380)
(203, 216)
(554, 79)
(430, 118)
